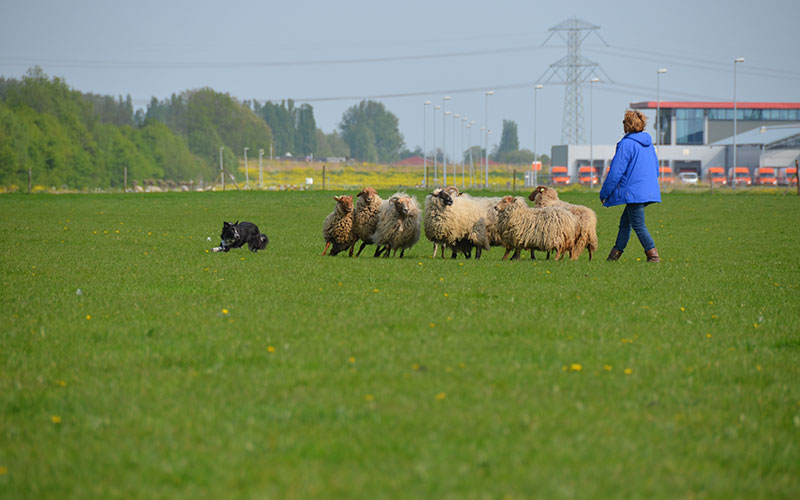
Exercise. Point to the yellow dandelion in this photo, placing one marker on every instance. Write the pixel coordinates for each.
(441, 279)
(351, 359)
(375, 290)
(415, 367)
(242, 258)
(711, 302)
(608, 368)
(62, 383)
(206, 250)
(628, 371)
(88, 316)
(369, 397)
(55, 419)
(708, 335)
(755, 325)
(682, 309)
(3, 470)
(575, 367)
(758, 367)
(776, 284)
(445, 295)
(419, 263)
(270, 348)
(340, 284)
(440, 396)
(225, 311)
(432, 325)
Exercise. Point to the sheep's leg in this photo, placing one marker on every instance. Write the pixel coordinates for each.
(455, 254)
(327, 244)
(516, 255)
(533, 254)
(548, 255)
(435, 248)
(559, 253)
(402, 252)
(477, 253)
(350, 252)
(378, 251)
(363, 244)
(590, 254)
(505, 255)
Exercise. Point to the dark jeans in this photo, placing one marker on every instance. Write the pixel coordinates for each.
(633, 217)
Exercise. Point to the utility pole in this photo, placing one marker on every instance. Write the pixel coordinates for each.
(246, 175)
(221, 168)
(261, 168)
(573, 70)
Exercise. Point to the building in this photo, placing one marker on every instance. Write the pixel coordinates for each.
(697, 135)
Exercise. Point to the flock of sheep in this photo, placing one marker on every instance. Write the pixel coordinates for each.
(461, 223)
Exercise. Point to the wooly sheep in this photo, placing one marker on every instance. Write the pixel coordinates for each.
(398, 225)
(488, 204)
(365, 218)
(338, 226)
(456, 223)
(544, 196)
(546, 229)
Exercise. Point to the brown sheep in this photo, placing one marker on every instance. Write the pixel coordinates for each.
(544, 196)
(365, 218)
(338, 226)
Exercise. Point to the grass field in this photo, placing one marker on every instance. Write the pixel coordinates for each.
(136, 364)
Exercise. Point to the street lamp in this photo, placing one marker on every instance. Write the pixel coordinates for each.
(444, 147)
(435, 153)
(464, 125)
(733, 174)
(424, 145)
(483, 151)
(488, 93)
(246, 175)
(444, 136)
(221, 169)
(591, 138)
(471, 160)
(538, 87)
(455, 169)
(261, 167)
(658, 114)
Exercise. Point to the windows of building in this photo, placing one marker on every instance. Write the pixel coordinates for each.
(755, 114)
(689, 125)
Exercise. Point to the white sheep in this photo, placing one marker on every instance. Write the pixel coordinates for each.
(546, 229)
(365, 218)
(398, 225)
(456, 223)
(338, 226)
(488, 204)
(544, 196)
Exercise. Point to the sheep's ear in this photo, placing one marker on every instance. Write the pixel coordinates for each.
(337, 198)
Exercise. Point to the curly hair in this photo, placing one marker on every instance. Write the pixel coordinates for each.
(634, 121)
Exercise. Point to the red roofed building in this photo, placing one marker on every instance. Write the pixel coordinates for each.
(412, 161)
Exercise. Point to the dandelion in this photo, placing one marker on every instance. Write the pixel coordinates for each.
(682, 309)
(270, 349)
(432, 325)
(369, 397)
(608, 368)
(62, 383)
(3, 470)
(755, 325)
(758, 367)
(440, 396)
(351, 359)
(445, 295)
(55, 419)
(340, 284)
(628, 371)
(375, 290)
(708, 335)
(575, 367)
(415, 367)
(225, 311)
(88, 317)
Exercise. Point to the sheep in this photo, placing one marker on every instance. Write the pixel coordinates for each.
(488, 203)
(544, 196)
(365, 218)
(546, 229)
(456, 223)
(338, 226)
(398, 225)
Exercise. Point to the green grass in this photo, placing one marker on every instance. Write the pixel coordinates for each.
(179, 373)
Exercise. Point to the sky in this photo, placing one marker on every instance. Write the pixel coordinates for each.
(334, 54)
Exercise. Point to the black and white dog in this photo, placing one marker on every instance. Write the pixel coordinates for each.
(235, 235)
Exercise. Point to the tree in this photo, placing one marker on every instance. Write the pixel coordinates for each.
(305, 140)
(371, 132)
(508, 141)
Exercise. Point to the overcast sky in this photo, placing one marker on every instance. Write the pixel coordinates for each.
(332, 54)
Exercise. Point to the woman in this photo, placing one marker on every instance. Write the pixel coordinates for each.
(633, 180)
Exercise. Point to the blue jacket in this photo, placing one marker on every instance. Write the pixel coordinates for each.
(633, 174)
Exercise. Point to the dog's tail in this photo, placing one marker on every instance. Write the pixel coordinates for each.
(262, 241)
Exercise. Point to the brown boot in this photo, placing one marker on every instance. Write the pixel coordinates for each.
(652, 255)
(614, 255)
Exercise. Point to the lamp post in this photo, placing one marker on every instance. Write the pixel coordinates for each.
(444, 137)
(471, 160)
(261, 167)
(733, 173)
(659, 72)
(535, 172)
(455, 161)
(464, 125)
(221, 169)
(246, 175)
(591, 138)
(488, 93)
(483, 152)
(424, 153)
(435, 153)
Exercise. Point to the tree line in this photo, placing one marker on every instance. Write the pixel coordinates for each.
(79, 140)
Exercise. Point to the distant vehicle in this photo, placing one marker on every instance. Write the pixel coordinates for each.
(665, 175)
(765, 176)
(560, 175)
(789, 177)
(587, 175)
(717, 175)
(689, 177)
(741, 176)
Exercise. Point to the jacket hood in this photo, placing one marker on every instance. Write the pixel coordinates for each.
(642, 138)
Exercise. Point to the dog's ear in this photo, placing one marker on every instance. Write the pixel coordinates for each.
(225, 224)
(235, 223)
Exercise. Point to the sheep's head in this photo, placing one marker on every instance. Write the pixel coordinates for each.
(344, 204)
(445, 197)
(536, 193)
(368, 194)
(452, 191)
(402, 204)
(506, 203)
